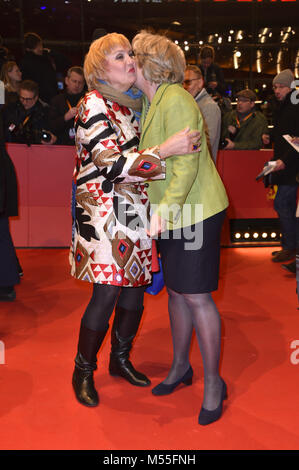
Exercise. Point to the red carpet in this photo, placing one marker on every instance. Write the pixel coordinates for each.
(258, 305)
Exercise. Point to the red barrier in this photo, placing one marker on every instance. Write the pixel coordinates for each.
(45, 179)
(248, 198)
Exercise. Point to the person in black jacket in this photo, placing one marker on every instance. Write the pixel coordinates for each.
(9, 265)
(37, 65)
(286, 121)
(26, 121)
(211, 72)
(63, 107)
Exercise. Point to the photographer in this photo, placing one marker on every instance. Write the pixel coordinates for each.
(242, 129)
(26, 121)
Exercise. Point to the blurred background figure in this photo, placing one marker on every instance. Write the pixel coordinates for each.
(211, 72)
(26, 120)
(38, 66)
(194, 83)
(9, 265)
(63, 107)
(286, 121)
(11, 77)
(243, 128)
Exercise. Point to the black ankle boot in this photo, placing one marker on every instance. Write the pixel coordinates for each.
(120, 347)
(85, 364)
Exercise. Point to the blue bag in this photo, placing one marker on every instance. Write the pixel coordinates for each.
(157, 283)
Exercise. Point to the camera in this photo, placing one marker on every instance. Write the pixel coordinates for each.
(222, 144)
(28, 135)
(45, 136)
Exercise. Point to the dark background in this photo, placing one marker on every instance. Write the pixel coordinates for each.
(67, 27)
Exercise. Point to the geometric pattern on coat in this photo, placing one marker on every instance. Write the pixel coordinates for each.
(111, 205)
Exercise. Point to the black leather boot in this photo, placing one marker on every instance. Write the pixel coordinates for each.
(128, 321)
(85, 364)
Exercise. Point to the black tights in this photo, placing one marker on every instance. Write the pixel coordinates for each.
(104, 298)
(198, 311)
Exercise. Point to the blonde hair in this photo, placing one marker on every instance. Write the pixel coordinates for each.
(95, 59)
(4, 76)
(160, 59)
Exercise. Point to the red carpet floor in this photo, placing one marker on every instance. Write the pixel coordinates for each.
(258, 305)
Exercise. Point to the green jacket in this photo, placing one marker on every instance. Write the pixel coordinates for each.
(192, 183)
(249, 136)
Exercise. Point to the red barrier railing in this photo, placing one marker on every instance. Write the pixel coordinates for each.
(45, 175)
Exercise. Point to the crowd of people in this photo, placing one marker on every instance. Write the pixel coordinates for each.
(33, 102)
(146, 149)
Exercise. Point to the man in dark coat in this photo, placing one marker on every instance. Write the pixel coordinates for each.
(63, 107)
(211, 72)
(25, 120)
(286, 122)
(9, 267)
(36, 65)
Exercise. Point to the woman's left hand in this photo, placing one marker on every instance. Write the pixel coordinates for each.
(157, 225)
(181, 143)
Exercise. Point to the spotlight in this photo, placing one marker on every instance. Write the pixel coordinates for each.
(237, 235)
(255, 235)
(246, 235)
(264, 235)
(273, 235)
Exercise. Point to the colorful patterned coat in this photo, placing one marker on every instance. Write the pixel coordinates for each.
(111, 208)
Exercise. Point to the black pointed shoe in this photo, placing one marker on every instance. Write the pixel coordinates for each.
(167, 389)
(210, 416)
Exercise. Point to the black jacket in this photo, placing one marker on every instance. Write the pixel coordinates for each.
(286, 121)
(8, 181)
(39, 68)
(213, 74)
(61, 128)
(19, 129)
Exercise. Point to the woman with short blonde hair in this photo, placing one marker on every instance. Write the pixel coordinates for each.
(96, 60)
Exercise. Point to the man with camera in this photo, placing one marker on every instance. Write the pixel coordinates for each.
(242, 129)
(26, 121)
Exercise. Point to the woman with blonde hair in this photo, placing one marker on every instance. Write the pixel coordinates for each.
(110, 246)
(11, 77)
(191, 200)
